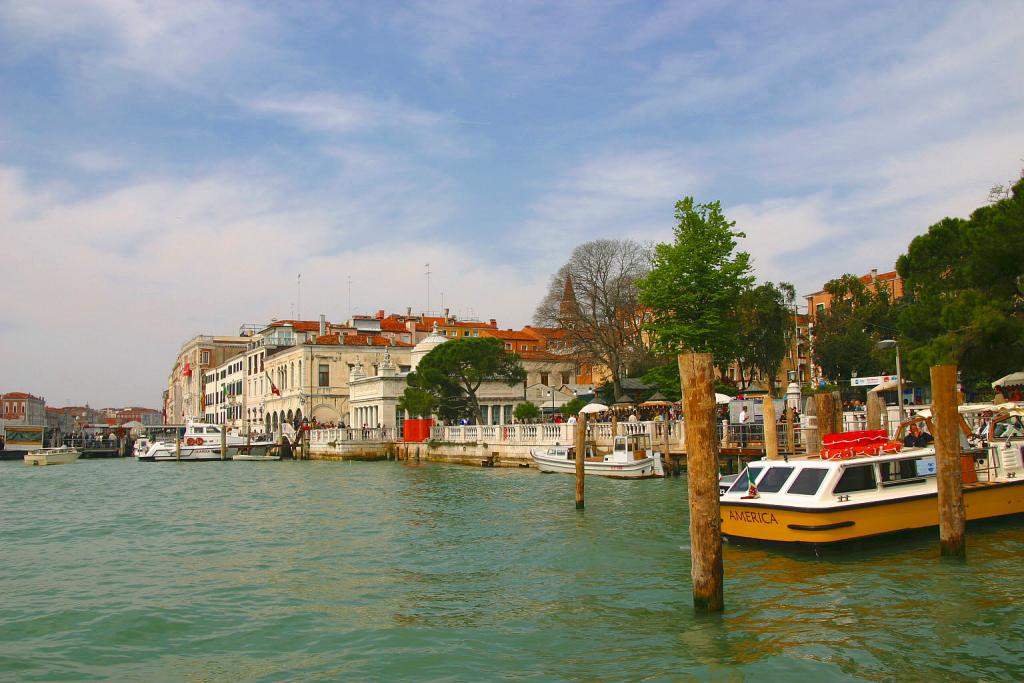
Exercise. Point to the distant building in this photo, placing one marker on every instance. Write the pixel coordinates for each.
(185, 387)
(23, 408)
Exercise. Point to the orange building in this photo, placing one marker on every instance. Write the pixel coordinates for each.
(821, 301)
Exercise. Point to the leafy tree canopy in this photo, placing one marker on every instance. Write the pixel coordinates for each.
(846, 335)
(453, 372)
(573, 406)
(964, 282)
(695, 284)
(765, 317)
(526, 411)
(594, 299)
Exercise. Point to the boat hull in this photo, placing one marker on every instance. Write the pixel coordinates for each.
(62, 458)
(201, 454)
(754, 521)
(639, 469)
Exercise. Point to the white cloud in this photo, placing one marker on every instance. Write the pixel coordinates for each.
(628, 194)
(171, 42)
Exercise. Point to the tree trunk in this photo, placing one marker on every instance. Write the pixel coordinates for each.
(698, 383)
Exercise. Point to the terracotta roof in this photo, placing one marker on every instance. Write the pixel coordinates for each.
(358, 340)
(392, 325)
(299, 325)
(469, 323)
(18, 394)
(546, 332)
(509, 334)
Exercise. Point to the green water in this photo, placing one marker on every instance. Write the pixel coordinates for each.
(118, 570)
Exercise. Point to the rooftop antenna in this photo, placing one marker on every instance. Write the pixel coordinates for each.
(428, 290)
(442, 302)
(350, 297)
(298, 298)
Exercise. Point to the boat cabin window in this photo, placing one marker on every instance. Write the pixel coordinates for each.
(620, 443)
(856, 478)
(808, 481)
(906, 471)
(213, 430)
(742, 482)
(774, 479)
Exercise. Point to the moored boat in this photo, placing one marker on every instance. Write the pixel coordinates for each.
(200, 441)
(631, 458)
(61, 455)
(861, 495)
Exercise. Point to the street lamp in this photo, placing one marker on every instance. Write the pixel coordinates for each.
(552, 392)
(891, 344)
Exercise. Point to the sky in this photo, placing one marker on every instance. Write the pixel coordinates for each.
(168, 169)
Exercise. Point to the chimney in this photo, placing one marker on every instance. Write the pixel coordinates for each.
(446, 313)
(380, 314)
(408, 311)
(494, 323)
(874, 274)
(323, 324)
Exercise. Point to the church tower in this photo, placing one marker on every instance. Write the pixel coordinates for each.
(568, 309)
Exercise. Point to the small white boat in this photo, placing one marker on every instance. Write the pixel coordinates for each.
(61, 455)
(255, 457)
(631, 458)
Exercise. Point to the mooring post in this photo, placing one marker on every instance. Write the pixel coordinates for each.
(177, 448)
(771, 433)
(696, 372)
(668, 455)
(223, 442)
(876, 404)
(946, 423)
(825, 409)
(581, 454)
(305, 443)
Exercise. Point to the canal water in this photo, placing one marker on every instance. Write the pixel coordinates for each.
(118, 570)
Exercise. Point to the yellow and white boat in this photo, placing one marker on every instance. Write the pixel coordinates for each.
(814, 501)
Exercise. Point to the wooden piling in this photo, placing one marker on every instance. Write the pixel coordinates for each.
(875, 407)
(668, 454)
(581, 454)
(945, 421)
(697, 377)
(223, 442)
(825, 408)
(771, 434)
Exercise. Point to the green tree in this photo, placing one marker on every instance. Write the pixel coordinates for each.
(665, 378)
(453, 372)
(845, 336)
(526, 411)
(417, 402)
(765, 316)
(963, 281)
(572, 407)
(695, 284)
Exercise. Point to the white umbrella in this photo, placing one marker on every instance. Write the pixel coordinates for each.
(722, 399)
(593, 408)
(1012, 379)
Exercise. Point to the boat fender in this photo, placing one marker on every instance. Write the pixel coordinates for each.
(199, 441)
(190, 441)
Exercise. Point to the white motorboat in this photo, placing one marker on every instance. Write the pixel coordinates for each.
(631, 458)
(255, 457)
(61, 455)
(200, 441)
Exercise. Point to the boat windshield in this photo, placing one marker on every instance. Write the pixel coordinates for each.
(743, 481)
(808, 481)
(774, 479)
(906, 470)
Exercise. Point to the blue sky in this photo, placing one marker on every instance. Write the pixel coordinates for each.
(167, 168)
